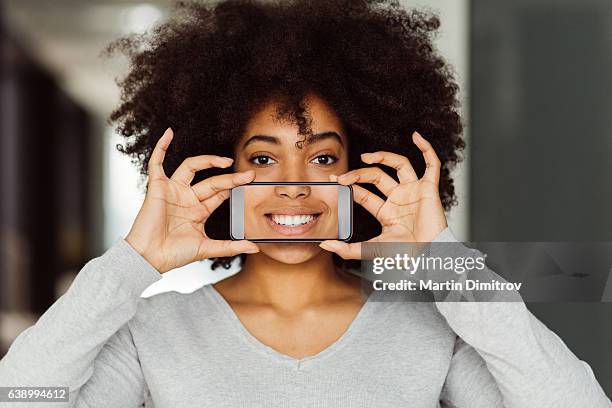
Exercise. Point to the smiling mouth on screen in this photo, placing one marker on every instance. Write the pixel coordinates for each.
(292, 221)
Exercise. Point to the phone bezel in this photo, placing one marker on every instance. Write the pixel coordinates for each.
(232, 202)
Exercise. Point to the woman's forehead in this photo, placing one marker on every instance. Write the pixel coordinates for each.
(324, 121)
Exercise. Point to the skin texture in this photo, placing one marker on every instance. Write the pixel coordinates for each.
(286, 162)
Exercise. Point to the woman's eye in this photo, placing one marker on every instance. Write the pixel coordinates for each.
(261, 160)
(325, 159)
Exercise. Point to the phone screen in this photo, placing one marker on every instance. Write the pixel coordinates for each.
(291, 211)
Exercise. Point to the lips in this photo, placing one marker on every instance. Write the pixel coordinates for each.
(292, 221)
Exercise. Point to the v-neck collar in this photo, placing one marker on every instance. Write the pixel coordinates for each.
(235, 322)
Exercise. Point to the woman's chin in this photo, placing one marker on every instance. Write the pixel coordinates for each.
(290, 253)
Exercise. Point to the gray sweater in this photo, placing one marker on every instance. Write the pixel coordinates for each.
(114, 349)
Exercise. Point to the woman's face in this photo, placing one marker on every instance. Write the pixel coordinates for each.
(268, 147)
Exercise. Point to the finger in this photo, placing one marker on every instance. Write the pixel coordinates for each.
(155, 167)
(186, 171)
(212, 185)
(432, 162)
(212, 248)
(368, 200)
(212, 203)
(405, 172)
(372, 175)
(343, 249)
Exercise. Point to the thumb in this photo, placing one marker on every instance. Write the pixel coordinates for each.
(220, 248)
(343, 249)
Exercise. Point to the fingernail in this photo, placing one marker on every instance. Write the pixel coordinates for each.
(224, 161)
(417, 134)
(367, 156)
(252, 250)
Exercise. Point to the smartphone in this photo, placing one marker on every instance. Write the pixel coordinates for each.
(291, 211)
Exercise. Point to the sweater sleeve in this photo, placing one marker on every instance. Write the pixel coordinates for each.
(530, 364)
(469, 384)
(84, 336)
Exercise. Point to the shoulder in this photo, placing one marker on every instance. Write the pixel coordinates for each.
(411, 314)
(414, 330)
(174, 309)
(179, 324)
(405, 309)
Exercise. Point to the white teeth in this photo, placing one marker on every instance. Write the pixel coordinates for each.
(292, 220)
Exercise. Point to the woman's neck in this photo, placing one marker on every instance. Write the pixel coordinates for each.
(290, 287)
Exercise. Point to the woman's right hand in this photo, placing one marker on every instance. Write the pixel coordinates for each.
(169, 228)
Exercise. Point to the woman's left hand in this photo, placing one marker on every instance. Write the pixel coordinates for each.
(413, 211)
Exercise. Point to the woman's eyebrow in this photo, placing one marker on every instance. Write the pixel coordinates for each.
(261, 138)
(317, 137)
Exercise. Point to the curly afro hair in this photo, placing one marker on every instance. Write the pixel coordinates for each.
(209, 67)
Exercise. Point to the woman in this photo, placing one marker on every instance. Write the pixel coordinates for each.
(300, 91)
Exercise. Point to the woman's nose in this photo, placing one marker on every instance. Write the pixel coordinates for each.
(292, 191)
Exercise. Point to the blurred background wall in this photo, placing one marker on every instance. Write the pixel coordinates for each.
(535, 86)
(541, 142)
